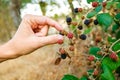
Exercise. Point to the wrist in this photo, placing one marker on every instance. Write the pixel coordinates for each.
(7, 50)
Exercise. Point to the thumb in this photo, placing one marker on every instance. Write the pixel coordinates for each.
(52, 39)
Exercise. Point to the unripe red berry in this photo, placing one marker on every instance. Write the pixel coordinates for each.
(113, 56)
(60, 41)
(80, 9)
(71, 48)
(62, 51)
(70, 35)
(74, 23)
(104, 4)
(91, 58)
(94, 4)
(95, 73)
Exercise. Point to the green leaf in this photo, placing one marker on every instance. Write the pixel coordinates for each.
(118, 70)
(118, 6)
(98, 9)
(87, 31)
(116, 46)
(94, 50)
(116, 0)
(105, 19)
(91, 14)
(107, 74)
(118, 35)
(109, 4)
(90, 71)
(69, 77)
(111, 40)
(88, 1)
(117, 18)
(110, 63)
(115, 27)
(83, 78)
(100, 1)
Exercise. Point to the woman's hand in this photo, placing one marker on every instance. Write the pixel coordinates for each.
(30, 36)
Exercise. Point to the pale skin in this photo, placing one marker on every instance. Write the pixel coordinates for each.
(31, 35)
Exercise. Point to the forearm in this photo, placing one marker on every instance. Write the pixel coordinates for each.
(7, 51)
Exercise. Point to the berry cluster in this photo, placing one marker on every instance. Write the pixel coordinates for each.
(98, 47)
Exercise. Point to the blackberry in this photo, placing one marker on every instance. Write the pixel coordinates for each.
(87, 22)
(80, 27)
(95, 4)
(60, 41)
(68, 19)
(95, 22)
(104, 4)
(83, 36)
(63, 56)
(70, 35)
(76, 10)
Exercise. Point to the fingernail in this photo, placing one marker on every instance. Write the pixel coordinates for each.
(60, 37)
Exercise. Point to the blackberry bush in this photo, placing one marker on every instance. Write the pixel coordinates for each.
(97, 31)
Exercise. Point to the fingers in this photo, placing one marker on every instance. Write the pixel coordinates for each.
(52, 39)
(42, 32)
(42, 20)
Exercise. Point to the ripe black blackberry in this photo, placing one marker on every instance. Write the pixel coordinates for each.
(63, 56)
(76, 10)
(96, 22)
(68, 19)
(83, 36)
(80, 27)
(87, 22)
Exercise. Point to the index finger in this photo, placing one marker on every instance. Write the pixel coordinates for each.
(43, 20)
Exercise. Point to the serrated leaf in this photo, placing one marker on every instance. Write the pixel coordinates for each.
(69, 77)
(87, 31)
(107, 74)
(98, 9)
(83, 78)
(94, 50)
(110, 63)
(116, 46)
(105, 19)
(91, 14)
